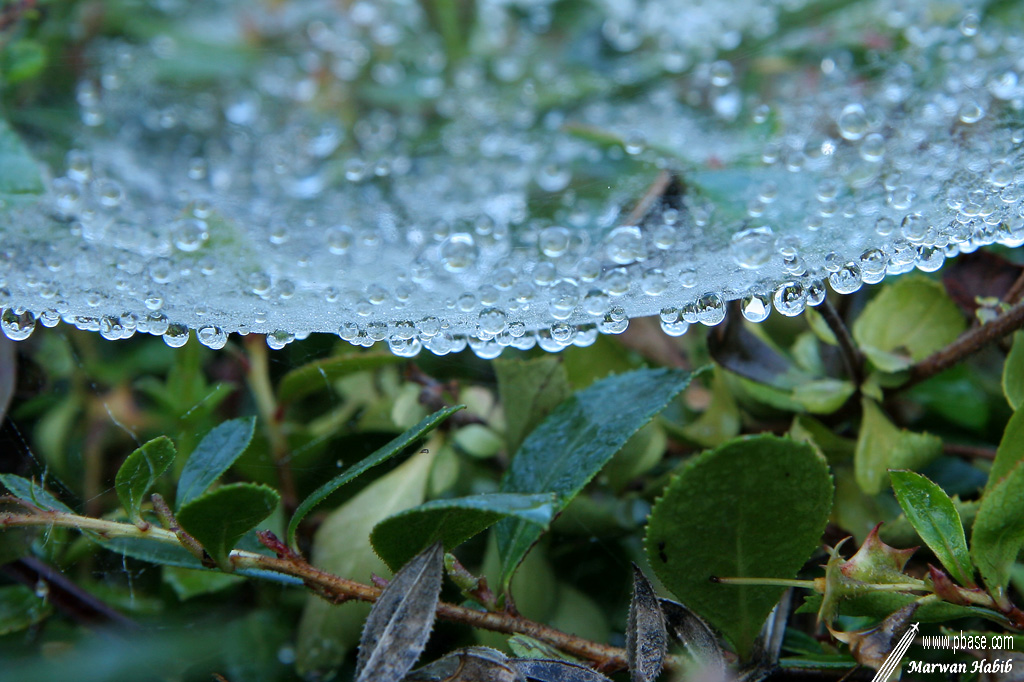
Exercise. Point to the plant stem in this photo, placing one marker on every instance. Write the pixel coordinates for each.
(766, 582)
(966, 344)
(853, 359)
(968, 451)
(258, 378)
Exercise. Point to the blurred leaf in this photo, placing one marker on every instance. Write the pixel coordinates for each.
(342, 546)
(401, 620)
(321, 374)
(398, 538)
(720, 421)
(578, 613)
(218, 519)
(530, 390)
(823, 396)
(214, 455)
(22, 60)
(906, 322)
(835, 448)
(1010, 451)
(188, 583)
(754, 507)
(477, 440)
(605, 356)
(20, 608)
(140, 471)
(30, 490)
(979, 275)
(19, 173)
(382, 455)
(569, 447)
(1013, 372)
(640, 454)
(998, 533)
(696, 636)
(958, 394)
(733, 346)
(539, 670)
(877, 605)
(882, 446)
(646, 636)
(937, 522)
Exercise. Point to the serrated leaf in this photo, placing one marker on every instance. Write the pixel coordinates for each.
(342, 546)
(530, 390)
(906, 322)
(998, 533)
(20, 608)
(398, 538)
(755, 507)
(218, 519)
(320, 374)
(214, 455)
(567, 450)
(1010, 451)
(401, 620)
(646, 636)
(936, 520)
(1013, 372)
(540, 670)
(472, 664)
(362, 466)
(881, 446)
(140, 471)
(31, 491)
(694, 634)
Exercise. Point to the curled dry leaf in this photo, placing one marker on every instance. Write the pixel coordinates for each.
(871, 647)
(473, 664)
(543, 670)
(399, 625)
(697, 637)
(646, 637)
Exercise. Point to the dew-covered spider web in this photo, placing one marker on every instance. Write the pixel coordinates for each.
(501, 173)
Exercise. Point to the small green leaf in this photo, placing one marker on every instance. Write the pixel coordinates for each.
(755, 507)
(24, 489)
(398, 538)
(1013, 372)
(1011, 449)
(214, 455)
(362, 466)
(218, 519)
(936, 520)
(998, 533)
(530, 390)
(20, 608)
(22, 60)
(19, 172)
(188, 583)
(823, 396)
(140, 471)
(321, 374)
(906, 322)
(882, 446)
(567, 450)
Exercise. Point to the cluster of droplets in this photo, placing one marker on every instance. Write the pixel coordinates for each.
(486, 216)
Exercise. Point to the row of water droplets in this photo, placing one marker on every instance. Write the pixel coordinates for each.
(246, 209)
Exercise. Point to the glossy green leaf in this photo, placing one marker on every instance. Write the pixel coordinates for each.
(755, 507)
(214, 455)
(321, 374)
(398, 538)
(936, 520)
(342, 546)
(140, 471)
(19, 172)
(1013, 372)
(20, 608)
(569, 447)
(218, 519)
(530, 390)
(998, 533)
(362, 466)
(907, 321)
(1010, 451)
(881, 446)
(25, 489)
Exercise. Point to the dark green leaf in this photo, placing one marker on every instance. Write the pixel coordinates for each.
(936, 520)
(218, 519)
(530, 390)
(31, 491)
(20, 608)
(1011, 449)
(214, 455)
(140, 471)
(382, 455)
(568, 449)
(998, 533)
(320, 374)
(755, 507)
(881, 446)
(646, 636)
(398, 538)
(23, 59)
(1013, 372)
(19, 172)
(401, 620)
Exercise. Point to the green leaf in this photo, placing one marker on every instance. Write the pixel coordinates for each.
(823, 396)
(530, 390)
(22, 60)
(998, 533)
(936, 520)
(24, 489)
(214, 455)
(218, 519)
(1010, 451)
(882, 446)
(140, 471)
(362, 466)
(755, 507)
(19, 172)
(567, 450)
(342, 546)
(320, 374)
(188, 583)
(398, 538)
(906, 322)
(20, 608)
(1013, 372)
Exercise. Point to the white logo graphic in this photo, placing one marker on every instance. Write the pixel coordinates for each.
(892, 661)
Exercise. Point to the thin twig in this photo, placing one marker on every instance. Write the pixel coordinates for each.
(649, 199)
(1016, 290)
(968, 451)
(258, 378)
(853, 359)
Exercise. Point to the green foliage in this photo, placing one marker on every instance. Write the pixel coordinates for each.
(140, 471)
(21, 608)
(320, 374)
(214, 455)
(1013, 372)
(531, 390)
(882, 446)
(219, 518)
(20, 178)
(998, 533)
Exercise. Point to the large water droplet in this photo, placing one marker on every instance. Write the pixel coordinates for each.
(710, 309)
(852, 122)
(846, 279)
(756, 307)
(458, 252)
(790, 299)
(17, 326)
(752, 248)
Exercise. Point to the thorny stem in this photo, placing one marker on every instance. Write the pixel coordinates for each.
(853, 359)
(258, 378)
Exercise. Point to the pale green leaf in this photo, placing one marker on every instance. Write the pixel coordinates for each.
(998, 533)
(1013, 372)
(530, 390)
(140, 471)
(881, 446)
(321, 374)
(1010, 451)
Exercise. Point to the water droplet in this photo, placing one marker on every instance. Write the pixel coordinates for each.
(790, 299)
(1001, 174)
(615, 321)
(846, 279)
(654, 282)
(339, 239)
(492, 321)
(176, 335)
(109, 192)
(554, 241)
(406, 348)
(212, 337)
(710, 309)
(458, 252)
(279, 339)
(872, 266)
(596, 302)
(672, 322)
(721, 73)
(189, 234)
(617, 282)
(971, 112)
(852, 122)
(930, 258)
(756, 307)
(872, 149)
(17, 326)
(884, 226)
(752, 248)
(914, 228)
(625, 245)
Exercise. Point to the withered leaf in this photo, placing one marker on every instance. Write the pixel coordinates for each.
(695, 635)
(472, 664)
(542, 670)
(646, 637)
(399, 624)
